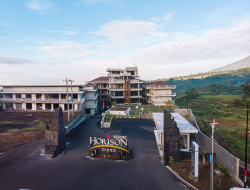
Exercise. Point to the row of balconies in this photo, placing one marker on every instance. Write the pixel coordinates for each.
(40, 100)
(158, 95)
(113, 96)
(160, 86)
(123, 81)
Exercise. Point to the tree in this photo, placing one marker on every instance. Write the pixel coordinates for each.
(230, 83)
(192, 93)
(246, 91)
(246, 82)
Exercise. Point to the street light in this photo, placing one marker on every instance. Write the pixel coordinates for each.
(212, 163)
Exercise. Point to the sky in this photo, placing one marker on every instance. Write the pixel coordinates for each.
(46, 41)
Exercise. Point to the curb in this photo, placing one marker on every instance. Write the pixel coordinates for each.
(182, 180)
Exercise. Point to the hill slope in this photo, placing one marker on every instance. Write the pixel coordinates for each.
(236, 65)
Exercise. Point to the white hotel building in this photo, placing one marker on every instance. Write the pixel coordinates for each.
(120, 85)
(50, 97)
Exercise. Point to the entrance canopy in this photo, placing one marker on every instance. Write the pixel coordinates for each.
(183, 125)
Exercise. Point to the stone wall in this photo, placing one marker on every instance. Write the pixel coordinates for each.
(55, 142)
(171, 138)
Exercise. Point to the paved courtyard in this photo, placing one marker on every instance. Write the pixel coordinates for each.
(25, 168)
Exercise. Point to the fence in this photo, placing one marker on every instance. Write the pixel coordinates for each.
(76, 122)
(223, 156)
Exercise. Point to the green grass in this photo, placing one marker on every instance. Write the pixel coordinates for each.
(219, 97)
(208, 106)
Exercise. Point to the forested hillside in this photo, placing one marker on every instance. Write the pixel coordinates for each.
(233, 79)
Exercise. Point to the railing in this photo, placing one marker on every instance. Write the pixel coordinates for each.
(161, 86)
(91, 97)
(90, 105)
(133, 80)
(116, 80)
(38, 100)
(223, 156)
(152, 94)
(75, 122)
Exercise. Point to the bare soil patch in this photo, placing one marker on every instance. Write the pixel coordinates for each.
(9, 141)
(230, 124)
(183, 169)
(227, 100)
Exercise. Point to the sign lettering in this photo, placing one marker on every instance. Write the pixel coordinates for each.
(114, 142)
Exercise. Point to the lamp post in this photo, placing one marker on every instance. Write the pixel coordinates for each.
(67, 95)
(245, 175)
(212, 163)
(72, 98)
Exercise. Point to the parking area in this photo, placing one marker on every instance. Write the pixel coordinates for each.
(25, 168)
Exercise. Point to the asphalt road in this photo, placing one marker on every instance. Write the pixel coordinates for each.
(26, 168)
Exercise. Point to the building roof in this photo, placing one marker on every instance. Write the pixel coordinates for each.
(100, 79)
(162, 83)
(183, 124)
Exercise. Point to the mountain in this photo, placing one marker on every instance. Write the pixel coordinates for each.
(236, 65)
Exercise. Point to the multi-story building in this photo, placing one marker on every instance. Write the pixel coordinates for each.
(91, 99)
(158, 93)
(102, 89)
(121, 86)
(42, 97)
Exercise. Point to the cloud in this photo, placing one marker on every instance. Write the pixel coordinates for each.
(4, 24)
(215, 44)
(13, 60)
(49, 31)
(41, 5)
(167, 18)
(93, 2)
(127, 32)
(70, 33)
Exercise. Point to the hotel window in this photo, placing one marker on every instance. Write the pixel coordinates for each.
(183, 142)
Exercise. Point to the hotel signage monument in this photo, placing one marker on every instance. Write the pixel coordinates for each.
(112, 148)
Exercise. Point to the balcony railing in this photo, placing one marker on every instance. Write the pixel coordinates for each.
(161, 86)
(116, 80)
(38, 100)
(152, 94)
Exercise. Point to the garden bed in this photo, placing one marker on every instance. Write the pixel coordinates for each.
(220, 182)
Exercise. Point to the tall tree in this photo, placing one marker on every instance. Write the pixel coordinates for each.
(246, 82)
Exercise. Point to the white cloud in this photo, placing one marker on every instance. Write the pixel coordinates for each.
(129, 32)
(70, 33)
(13, 60)
(93, 2)
(49, 31)
(40, 5)
(216, 44)
(4, 24)
(166, 18)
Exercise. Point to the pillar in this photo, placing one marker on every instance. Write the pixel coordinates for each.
(60, 99)
(52, 107)
(62, 106)
(33, 97)
(4, 106)
(43, 96)
(14, 106)
(43, 106)
(23, 96)
(76, 107)
(24, 106)
(78, 97)
(33, 105)
(14, 97)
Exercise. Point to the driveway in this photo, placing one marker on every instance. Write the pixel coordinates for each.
(25, 168)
